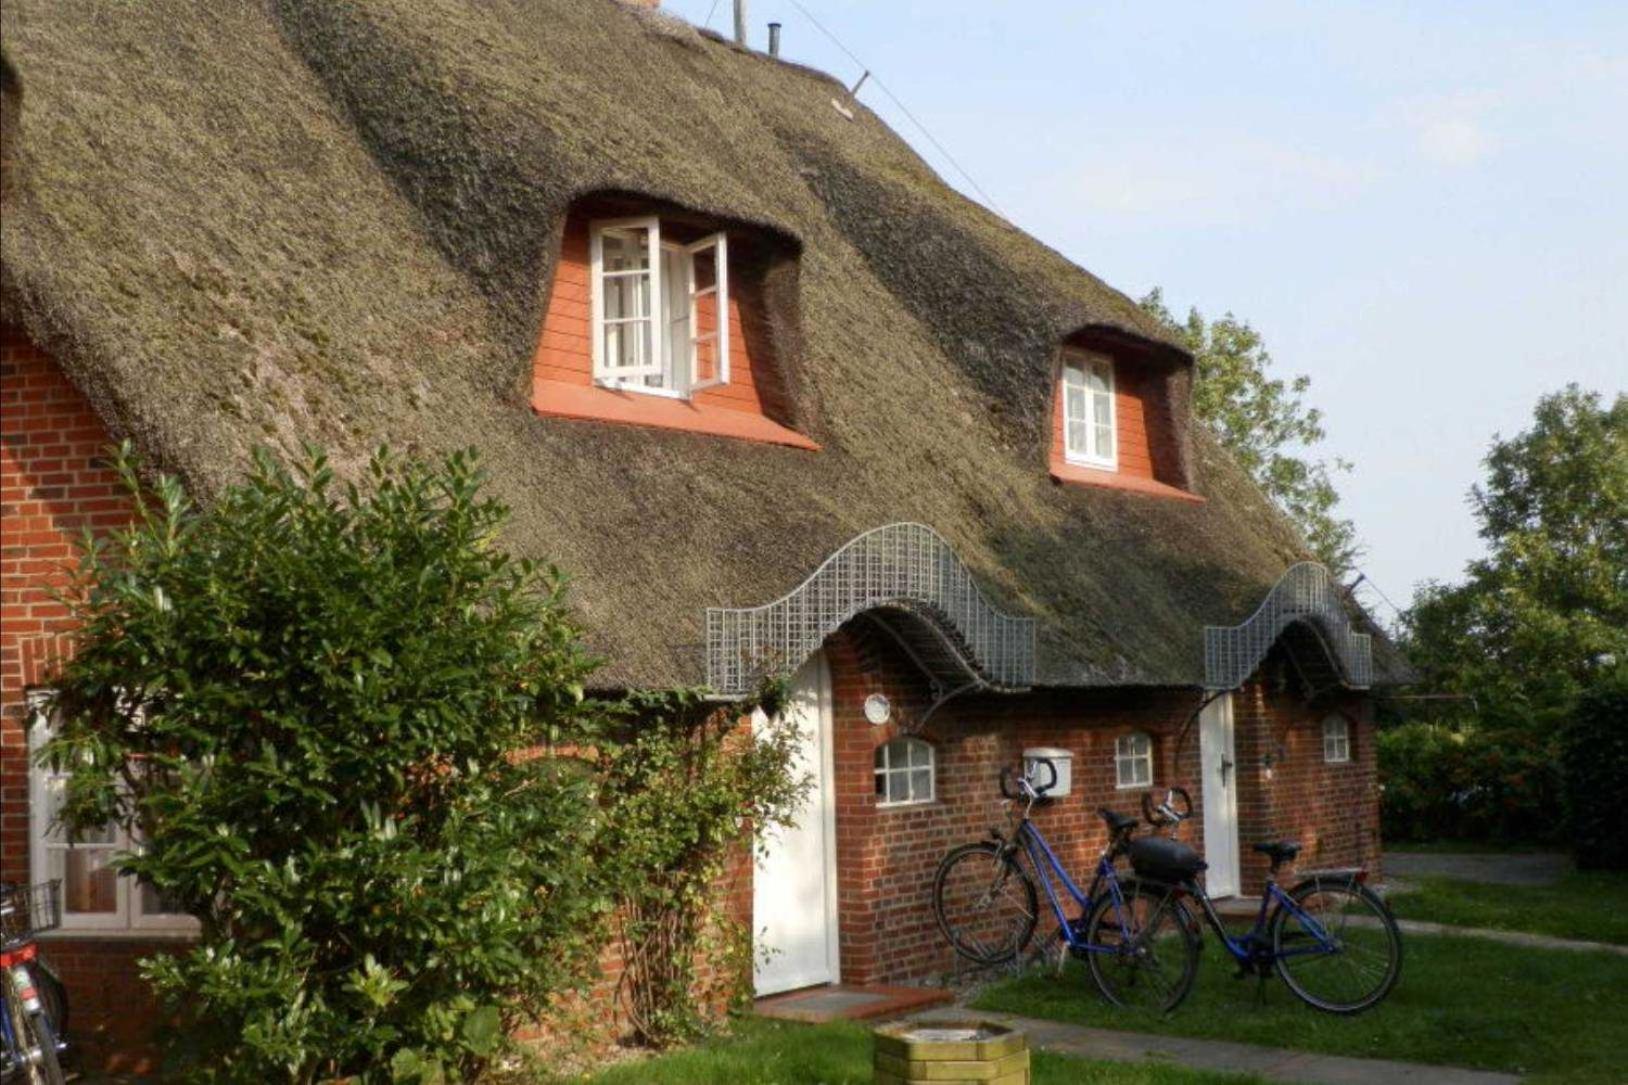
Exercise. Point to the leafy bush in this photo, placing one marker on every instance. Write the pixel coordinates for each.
(1595, 759)
(317, 705)
(1465, 783)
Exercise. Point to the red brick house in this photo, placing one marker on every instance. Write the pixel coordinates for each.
(778, 398)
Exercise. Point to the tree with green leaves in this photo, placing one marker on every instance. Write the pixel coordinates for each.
(351, 733)
(1266, 424)
(1544, 615)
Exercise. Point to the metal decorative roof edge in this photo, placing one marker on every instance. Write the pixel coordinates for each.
(900, 566)
(1304, 593)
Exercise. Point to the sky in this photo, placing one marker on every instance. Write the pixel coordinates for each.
(1422, 206)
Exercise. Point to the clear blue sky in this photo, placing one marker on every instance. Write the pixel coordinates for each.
(1422, 206)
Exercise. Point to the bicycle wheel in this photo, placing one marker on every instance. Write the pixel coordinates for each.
(985, 903)
(35, 1041)
(1342, 952)
(1143, 955)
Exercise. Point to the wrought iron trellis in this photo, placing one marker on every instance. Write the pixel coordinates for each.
(903, 569)
(1305, 594)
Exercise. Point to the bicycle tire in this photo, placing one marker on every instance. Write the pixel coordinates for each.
(32, 1032)
(1297, 971)
(1119, 975)
(1003, 870)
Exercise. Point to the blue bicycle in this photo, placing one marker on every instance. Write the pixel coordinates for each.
(1330, 938)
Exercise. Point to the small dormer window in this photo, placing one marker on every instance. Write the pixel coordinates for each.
(1089, 423)
(656, 308)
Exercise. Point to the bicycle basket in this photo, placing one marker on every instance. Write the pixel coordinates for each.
(25, 910)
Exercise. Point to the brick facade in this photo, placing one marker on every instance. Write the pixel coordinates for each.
(55, 483)
(886, 856)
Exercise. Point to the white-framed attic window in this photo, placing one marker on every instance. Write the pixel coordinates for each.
(1090, 434)
(95, 898)
(1133, 760)
(1336, 739)
(660, 308)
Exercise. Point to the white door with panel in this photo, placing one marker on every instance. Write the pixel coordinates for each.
(1219, 780)
(794, 888)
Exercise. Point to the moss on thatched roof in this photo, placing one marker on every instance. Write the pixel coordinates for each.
(312, 220)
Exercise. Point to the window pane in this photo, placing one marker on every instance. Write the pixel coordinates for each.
(1097, 381)
(1076, 437)
(626, 250)
(881, 785)
(89, 883)
(152, 902)
(1105, 441)
(898, 787)
(920, 754)
(56, 792)
(921, 784)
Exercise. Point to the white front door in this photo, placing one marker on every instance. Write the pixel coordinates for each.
(794, 888)
(1220, 797)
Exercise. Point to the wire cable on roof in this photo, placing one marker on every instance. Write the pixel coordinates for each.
(713, 10)
(894, 98)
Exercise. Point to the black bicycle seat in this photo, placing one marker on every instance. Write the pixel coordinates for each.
(1279, 851)
(1117, 822)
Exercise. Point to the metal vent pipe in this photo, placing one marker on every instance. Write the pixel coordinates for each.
(740, 23)
(774, 39)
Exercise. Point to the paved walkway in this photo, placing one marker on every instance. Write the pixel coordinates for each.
(1513, 938)
(1508, 868)
(1269, 1063)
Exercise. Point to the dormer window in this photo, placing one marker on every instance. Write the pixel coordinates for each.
(1089, 423)
(656, 306)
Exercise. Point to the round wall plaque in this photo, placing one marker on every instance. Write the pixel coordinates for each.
(877, 708)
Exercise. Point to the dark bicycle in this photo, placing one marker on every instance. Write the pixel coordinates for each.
(34, 1007)
(1330, 938)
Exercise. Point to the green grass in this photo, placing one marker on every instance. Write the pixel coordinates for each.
(761, 1052)
(1589, 905)
(1463, 1002)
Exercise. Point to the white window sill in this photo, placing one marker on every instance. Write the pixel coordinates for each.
(641, 389)
(1086, 461)
(118, 934)
(914, 804)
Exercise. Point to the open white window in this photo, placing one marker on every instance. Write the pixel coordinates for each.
(1089, 435)
(660, 308)
(94, 896)
(1133, 760)
(1336, 739)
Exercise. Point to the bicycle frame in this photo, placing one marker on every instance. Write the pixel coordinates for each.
(1251, 945)
(1035, 846)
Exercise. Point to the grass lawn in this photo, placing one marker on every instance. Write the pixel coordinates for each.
(1591, 905)
(1555, 1014)
(762, 1052)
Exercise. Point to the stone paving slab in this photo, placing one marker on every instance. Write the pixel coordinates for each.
(1270, 1063)
(1513, 868)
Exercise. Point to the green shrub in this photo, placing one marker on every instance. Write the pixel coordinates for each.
(1595, 759)
(308, 700)
(1465, 783)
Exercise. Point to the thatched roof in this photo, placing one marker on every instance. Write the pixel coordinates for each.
(335, 221)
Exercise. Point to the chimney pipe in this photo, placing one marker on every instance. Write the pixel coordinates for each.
(740, 23)
(774, 39)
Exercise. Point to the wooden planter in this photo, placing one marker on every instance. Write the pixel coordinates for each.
(950, 1052)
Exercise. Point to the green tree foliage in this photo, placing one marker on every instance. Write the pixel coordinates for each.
(1544, 615)
(1266, 425)
(1595, 758)
(321, 708)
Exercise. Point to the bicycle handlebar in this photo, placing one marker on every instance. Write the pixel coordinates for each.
(1027, 788)
(1176, 807)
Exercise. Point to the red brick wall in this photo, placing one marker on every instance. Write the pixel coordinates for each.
(887, 856)
(54, 483)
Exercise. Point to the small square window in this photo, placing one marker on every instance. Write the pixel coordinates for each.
(1133, 760)
(904, 772)
(1336, 740)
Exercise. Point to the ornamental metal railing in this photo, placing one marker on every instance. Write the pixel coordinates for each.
(1305, 593)
(901, 566)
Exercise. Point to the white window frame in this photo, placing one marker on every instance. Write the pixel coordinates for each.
(884, 770)
(1127, 756)
(127, 916)
(1336, 740)
(1083, 362)
(678, 371)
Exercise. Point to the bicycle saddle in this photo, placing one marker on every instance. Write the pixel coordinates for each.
(1116, 822)
(1279, 851)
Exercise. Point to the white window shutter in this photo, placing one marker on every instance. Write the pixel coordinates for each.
(627, 336)
(709, 312)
